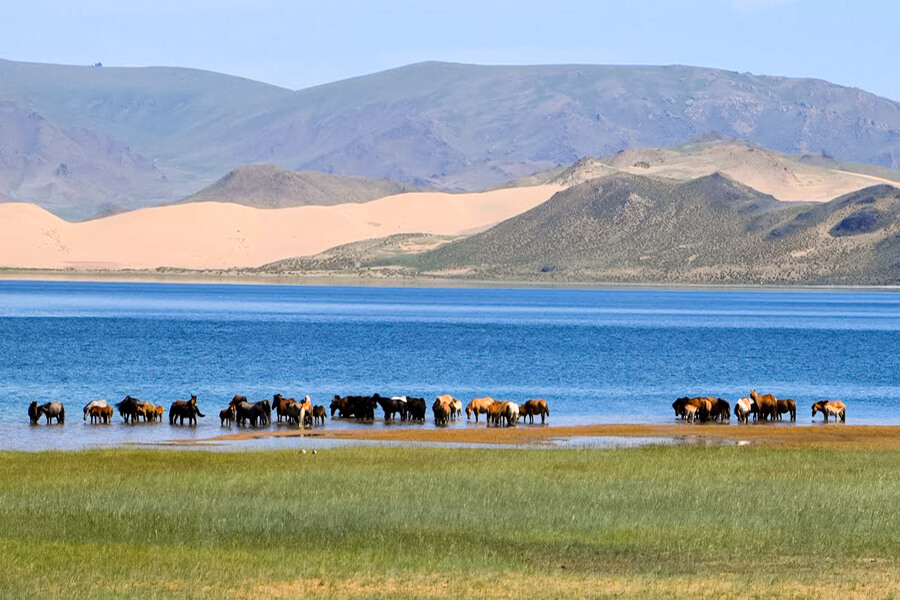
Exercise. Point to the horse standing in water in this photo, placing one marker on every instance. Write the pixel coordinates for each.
(51, 410)
(834, 408)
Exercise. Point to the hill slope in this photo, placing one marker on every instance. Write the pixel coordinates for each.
(446, 125)
(707, 230)
(270, 186)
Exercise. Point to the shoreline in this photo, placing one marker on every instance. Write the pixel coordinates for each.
(831, 435)
(227, 277)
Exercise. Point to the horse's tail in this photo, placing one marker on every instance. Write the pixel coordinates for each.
(62, 415)
(200, 414)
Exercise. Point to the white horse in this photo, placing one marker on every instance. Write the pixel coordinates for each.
(743, 408)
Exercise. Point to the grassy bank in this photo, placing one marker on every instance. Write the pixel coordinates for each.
(412, 522)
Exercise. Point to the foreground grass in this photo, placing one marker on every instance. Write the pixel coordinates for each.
(413, 522)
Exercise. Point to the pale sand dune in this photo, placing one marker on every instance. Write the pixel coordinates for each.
(211, 235)
(764, 170)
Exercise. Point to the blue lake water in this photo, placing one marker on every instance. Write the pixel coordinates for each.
(597, 356)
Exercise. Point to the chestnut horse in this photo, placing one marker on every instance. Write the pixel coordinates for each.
(319, 414)
(101, 414)
(442, 408)
(766, 405)
(835, 408)
(530, 408)
(787, 406)
(478, 405)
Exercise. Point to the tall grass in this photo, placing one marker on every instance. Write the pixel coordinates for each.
(135, 523)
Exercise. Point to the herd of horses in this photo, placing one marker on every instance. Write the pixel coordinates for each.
(761, 407)
(445, 408)
(243, 413)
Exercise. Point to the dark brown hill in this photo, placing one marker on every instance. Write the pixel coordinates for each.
(270, 186)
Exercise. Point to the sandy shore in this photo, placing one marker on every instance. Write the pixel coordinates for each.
(819, 436)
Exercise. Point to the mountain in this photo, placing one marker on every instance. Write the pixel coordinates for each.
(708, 230)
(270, 186)
(73, 173)
(450, 126)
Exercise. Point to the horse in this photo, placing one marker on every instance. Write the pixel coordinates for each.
(226, 416)
(147, 411)
(766, 405)
(691, 413)
(787, 406)
(455, 405)
(510, 412)
(319, 414)
(291, 412)
(393, 406)
(530, 408)
(416, 409)
(182, 410)
(129, 408)
(360, 407)
(743, 408)
(279, 403)
(720, 410)
(101, 414)
(834, 408)
(306, 408)
(245, 411)
(681, 404)
(51, 410)
(478, 406)
(494, 415)
(91, 404)
(441, 410)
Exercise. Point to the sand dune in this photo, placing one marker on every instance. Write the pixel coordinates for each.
(209, 235)
(767, 171)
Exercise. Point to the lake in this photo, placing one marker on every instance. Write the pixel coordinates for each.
(597, 356)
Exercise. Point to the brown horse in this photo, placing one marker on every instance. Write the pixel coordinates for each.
(279, 404)
(834, 408)
(182, 410)
(787, 406)
(510, 412)
(319, 414)
(478, 406)
(719, 410)
(455, 405)
(766, 405)
(226, 416)
(101, 414)
(530, 408)
(442, 409)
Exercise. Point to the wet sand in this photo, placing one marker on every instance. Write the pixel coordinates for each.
(831, 435)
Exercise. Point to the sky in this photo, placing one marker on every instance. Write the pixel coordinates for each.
(310, 42)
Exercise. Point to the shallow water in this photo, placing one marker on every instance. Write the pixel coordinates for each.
(597, 356)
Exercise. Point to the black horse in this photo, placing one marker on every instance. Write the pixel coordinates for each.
(182, 410)
(393, 406)
(129, 408)
(416, 409)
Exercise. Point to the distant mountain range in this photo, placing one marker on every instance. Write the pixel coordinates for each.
(80, 140)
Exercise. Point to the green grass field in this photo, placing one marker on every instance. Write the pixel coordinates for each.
(413, 522)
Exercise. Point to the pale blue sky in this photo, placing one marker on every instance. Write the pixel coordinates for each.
(304, 43)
